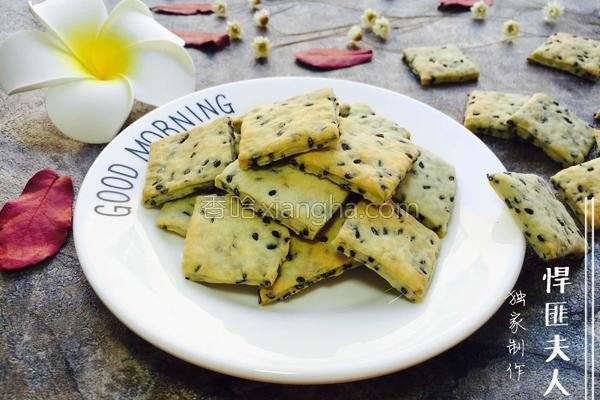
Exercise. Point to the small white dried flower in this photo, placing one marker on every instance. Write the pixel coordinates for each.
(261, 18)
(479, 10)
(368, 18)
(511, 29)
(253, 4)
(220, 8)
(261, 46)
(355, 34)
(234, 30)
(381, 27)
(352, 45)
(552, 11)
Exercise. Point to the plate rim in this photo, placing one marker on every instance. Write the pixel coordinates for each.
(233, 369)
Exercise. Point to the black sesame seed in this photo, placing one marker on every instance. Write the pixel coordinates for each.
(271, 246)
(216, 163)
(255, 236)
(276, 234)
(272, 192)
(184, 138)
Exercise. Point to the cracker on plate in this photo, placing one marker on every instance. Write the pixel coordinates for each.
(428, 191)
(487, 112)
(363, 114)
(439, 64)
(576, 55)
(302, 123)
(578, 185)
(188, 162)
(308, 262)
(545, 222)
(369, 160)
(302, 202)
(392, 243)
(562, 135)
(175, 215)
(227, 243)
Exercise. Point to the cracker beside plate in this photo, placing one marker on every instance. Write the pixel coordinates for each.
(440, 64)
(545, 222)
(576, 55)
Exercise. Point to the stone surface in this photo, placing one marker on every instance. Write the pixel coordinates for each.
(58, 341)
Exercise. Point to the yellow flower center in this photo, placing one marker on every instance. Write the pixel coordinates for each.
(104, 57)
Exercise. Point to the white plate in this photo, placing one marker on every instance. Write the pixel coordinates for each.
(343, 329)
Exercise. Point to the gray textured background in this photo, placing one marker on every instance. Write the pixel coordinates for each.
(58, 341)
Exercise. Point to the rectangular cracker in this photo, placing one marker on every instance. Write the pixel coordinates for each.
(392, 243)
(562, 135)
(576, 55)
(227, 243)
(428, 192)
(302, 202)
(362, 113)
(440, 64)
(175, 215)
(487, 112)
(545, 222)
(367, 160)
(308, 262)
(188, 162)
(291, 126)
(578, 183)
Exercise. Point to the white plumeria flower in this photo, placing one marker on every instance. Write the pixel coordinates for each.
(552, 11)
(381, 27)
(253, 4)
(261, 18)
(261, 46)
(234, 30)
(479, 10)
(368, 18)
(355, 34)
(511, 29)
(220, 9)
(94, 64)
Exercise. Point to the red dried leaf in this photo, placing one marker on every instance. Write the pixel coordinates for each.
(204, 39)
(184, 9)
(459, 5)
(329, 58)
(34, 226)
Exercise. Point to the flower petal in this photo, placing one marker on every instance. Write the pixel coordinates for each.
(75, 22)
(90, 111)
(132, 21)
(160, 71)
(31, 60)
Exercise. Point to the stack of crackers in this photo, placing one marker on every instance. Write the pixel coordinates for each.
(301, 190)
